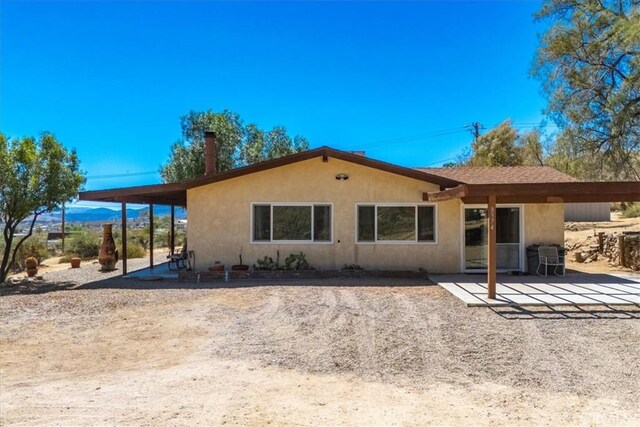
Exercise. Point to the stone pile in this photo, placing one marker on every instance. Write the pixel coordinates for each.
(587, 254)
(614, 245)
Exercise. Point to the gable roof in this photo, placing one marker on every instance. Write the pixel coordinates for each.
(530, 184)
(501, 174)
(175, 193)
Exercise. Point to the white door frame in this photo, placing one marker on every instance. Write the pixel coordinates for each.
(463, 234)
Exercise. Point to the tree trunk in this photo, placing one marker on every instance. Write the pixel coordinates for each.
(8, 240)
(8, 234)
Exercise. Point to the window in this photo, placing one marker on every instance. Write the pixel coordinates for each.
(402, 223)
(299, 223)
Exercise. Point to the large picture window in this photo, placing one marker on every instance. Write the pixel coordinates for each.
(291, 222)
(402, 223)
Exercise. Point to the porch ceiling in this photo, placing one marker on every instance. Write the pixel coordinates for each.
(162, 194)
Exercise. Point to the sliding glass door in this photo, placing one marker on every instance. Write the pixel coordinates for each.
(508, 238)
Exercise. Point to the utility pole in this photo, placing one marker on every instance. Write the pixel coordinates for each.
(475, 128)
(62, 227)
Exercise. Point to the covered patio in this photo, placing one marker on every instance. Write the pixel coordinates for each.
(491, 195)
(573, 289)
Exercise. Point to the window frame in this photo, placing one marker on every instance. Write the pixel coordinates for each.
(289, 242)
(397, 242)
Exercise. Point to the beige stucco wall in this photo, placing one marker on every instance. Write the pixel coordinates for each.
(544, 223)
(219, 218)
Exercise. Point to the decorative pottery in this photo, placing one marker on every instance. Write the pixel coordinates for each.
(32, 266)
(75, 262)
(108, 255)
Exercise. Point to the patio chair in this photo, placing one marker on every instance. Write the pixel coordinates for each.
(548, 257)
(178, 261)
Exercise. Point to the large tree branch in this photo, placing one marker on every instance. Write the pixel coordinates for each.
(15, 250)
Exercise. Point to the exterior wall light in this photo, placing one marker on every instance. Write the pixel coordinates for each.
(342, 177)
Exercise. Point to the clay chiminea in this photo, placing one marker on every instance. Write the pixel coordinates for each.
(108, 254)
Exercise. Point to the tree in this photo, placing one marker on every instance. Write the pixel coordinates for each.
(37, 177)
(504, 146)
(589, 63)
(237, 144)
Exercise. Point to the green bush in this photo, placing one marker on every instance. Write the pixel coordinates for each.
(84, 244)
(134, 250)
(631, 210)
(34, 246)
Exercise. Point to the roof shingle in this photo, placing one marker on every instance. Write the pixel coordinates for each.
(501, 175)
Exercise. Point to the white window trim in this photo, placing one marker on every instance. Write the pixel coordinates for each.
(398, 242)
(289, 242)
(523, 258)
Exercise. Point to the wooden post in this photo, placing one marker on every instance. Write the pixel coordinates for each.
(172, 232)
(491, 267)
(63, 227)
(601, 241)
(151, 236)
(621, 250)
(124, 238)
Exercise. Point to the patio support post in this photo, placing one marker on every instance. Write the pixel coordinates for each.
(124, 238)
(151, 236)
(491, 267)
(172, 233)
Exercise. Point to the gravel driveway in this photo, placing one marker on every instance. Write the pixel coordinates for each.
(364, 352)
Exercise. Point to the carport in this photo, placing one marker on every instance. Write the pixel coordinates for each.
(556, 192)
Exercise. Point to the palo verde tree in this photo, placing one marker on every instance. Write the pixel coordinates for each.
(237, 144)
(37, 177)
(589, 63)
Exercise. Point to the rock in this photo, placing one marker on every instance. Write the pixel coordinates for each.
(579, 257)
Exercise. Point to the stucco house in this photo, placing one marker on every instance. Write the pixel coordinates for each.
(344, 208)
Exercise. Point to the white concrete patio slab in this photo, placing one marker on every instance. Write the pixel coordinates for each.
(573, 289)
(159, 271)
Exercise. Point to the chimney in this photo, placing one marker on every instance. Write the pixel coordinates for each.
(210, 153)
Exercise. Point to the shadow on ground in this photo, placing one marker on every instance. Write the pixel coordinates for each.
(605, 312)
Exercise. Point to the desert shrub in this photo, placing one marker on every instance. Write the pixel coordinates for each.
(34, 246)
(140, 237)
(631, 210)
(297, 262)
(134, 250)
(84, 244)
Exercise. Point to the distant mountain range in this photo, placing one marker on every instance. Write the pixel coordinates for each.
(77, 214)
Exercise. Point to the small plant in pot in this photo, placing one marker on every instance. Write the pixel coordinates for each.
(241, 266)
(217, 267)
(32, 266)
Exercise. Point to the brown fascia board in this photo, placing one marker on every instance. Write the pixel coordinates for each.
(448, 194)
(559, 189)
(118, 194)
(560, 192)
(324, 152)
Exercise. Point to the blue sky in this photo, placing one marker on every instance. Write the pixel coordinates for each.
(399, 80)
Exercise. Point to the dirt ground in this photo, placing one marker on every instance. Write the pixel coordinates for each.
(165, 353)
(585, 233)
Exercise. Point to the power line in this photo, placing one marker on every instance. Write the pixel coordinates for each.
(475, 128)
(121, 175)
(410, 138)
